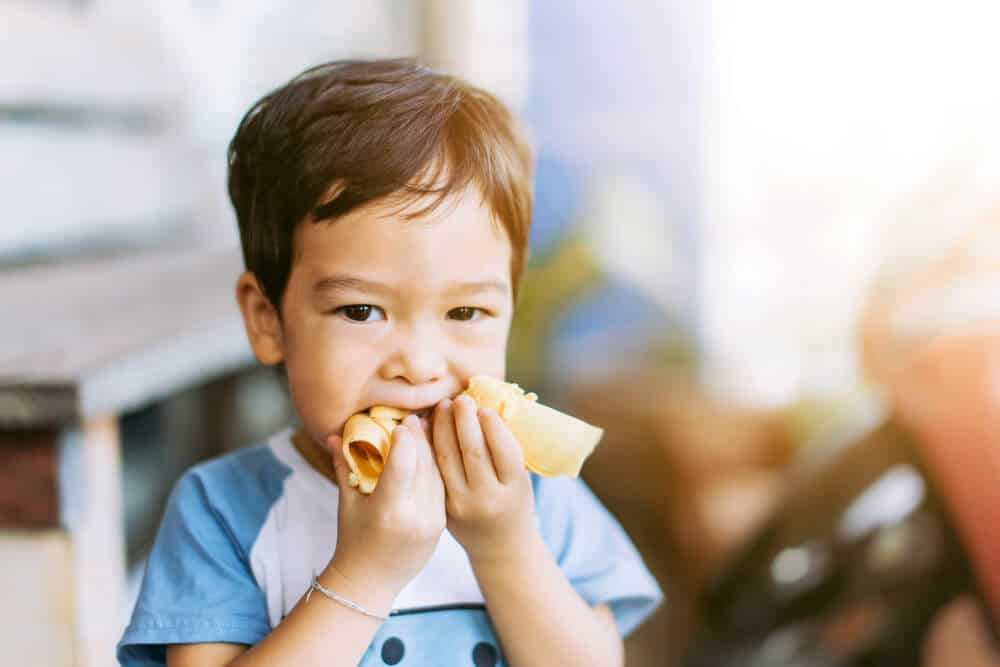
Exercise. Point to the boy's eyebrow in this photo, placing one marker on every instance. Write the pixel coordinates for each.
(476, 286)
(341, 283)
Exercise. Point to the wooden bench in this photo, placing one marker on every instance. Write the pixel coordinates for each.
(81, 344)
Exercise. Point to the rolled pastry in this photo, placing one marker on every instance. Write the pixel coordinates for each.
(367, 441)
(553, 442)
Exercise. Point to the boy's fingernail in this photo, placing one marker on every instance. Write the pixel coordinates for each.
(486, 412)
(445, 404)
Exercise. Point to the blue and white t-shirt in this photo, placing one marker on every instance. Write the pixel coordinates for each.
(243, 534)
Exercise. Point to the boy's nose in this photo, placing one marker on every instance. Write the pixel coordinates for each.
(417, 359)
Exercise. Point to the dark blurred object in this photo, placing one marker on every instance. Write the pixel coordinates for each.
(688, 477)
(714, 469)
(869, 547)
(848, 572)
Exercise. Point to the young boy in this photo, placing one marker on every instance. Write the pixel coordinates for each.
(384, 213)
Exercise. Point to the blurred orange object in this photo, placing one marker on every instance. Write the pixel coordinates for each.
(931, 339)
(949, 396)
(959, 637)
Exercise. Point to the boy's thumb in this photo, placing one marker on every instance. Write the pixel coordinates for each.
(402, 457)
(341, 470)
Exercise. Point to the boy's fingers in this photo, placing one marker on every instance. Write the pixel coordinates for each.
(425, 424)
(333, 443)
(398, 472)
(446, 451)
(421, 446)
(341, 470)
(508, 457)
(426, 471)
(476, 456)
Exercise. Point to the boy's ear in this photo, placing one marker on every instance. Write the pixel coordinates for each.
(260, 318)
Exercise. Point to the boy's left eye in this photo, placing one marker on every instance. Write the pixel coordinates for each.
(465, 313)
(361, 312)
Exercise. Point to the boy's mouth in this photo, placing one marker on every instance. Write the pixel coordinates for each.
(422, 413)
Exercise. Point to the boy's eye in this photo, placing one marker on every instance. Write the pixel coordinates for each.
(362, 312)
(465, 313)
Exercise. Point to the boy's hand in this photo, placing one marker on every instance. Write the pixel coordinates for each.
(385, 539)
(487, 488)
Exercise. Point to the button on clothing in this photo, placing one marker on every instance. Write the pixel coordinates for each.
(242, 535)
(393, 651)
(484, 655)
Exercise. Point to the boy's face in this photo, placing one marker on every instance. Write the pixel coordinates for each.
(381, 310)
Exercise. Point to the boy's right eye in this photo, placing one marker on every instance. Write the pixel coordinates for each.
(361, 312)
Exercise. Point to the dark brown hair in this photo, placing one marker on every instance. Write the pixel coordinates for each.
(346, 133)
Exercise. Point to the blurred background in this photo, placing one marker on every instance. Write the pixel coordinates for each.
(749, 218)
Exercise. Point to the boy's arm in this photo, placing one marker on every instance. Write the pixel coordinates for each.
(540, 619)
(318, 632)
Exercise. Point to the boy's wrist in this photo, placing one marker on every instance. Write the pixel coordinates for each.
(522, 546)
(373, 593)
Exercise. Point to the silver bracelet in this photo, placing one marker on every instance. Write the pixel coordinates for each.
(316, 586)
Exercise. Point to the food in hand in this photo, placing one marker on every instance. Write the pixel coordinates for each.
(367, 441)
(553, 442)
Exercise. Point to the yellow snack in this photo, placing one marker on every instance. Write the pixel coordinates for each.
(367, 441)
(388, 418)
(553, 442)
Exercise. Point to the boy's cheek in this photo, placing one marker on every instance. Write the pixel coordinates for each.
(322, 403)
